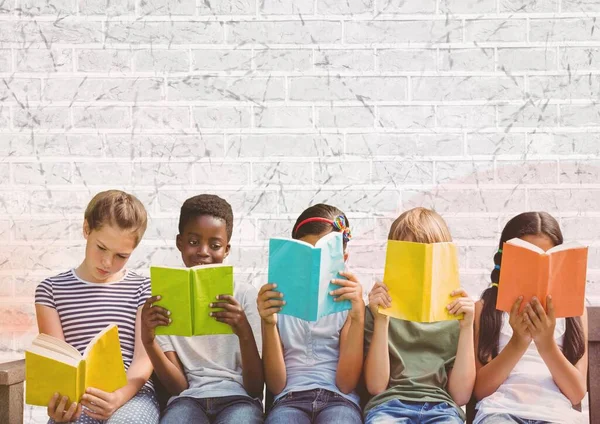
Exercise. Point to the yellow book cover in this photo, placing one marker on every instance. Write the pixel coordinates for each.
(420, 278)
(52, 365)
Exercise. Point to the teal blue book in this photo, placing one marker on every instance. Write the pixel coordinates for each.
(303, 273)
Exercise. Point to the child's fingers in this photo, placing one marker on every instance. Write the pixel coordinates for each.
(538, 308)
(344, 283)
(349, 275)
(149, 302)
(550, 307)
(459, 292)
(451, 304)
(228, 298)
(515, 307)
(270, 295)
(267, 287)
(273, 303)
(223, 315)
(227, 306)
(98, 393)
(344, 290)
(158, 322)
(71, 411)
(60, 409)
(77, 413)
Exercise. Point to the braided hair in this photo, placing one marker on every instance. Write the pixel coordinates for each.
(528, 223)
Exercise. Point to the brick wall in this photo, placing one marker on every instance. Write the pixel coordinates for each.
(480, 109)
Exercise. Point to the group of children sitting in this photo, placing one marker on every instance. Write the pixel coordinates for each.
(525, 366)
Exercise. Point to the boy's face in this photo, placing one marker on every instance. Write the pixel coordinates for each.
(203, 241)
(106, 252)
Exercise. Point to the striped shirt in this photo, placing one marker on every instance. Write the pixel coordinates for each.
(87, 308)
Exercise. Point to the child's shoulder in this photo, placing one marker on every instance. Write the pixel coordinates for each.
(62, 278)
(134, 276)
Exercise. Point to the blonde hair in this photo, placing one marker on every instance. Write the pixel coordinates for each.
(119, 209)
(420, 225)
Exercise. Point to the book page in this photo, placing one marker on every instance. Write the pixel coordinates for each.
(174, 286)
(568, 273)
(525, 245)
(104, 367)
(56, 345)
(207, 283)
(293, 266)
(566, 246)
(332, 263)
(404, 275)
(444, 280)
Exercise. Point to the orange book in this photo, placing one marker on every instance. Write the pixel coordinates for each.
(528, 271)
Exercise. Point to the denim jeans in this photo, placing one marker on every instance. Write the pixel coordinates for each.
(508, 418)
(318, 406)
(220, 410)
(405, 412)
(142, 408)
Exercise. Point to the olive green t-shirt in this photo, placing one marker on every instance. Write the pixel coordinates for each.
(421, 354)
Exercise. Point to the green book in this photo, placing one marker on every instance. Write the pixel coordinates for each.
(187, 293)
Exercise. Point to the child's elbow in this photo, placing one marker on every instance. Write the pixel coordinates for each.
(346, 388)
(461, 400)
(375, 389)
(577, 397)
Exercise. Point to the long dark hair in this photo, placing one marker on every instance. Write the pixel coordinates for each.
(528, 223)
(320, 210)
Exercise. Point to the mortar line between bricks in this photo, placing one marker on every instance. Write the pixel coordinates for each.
(251, 18)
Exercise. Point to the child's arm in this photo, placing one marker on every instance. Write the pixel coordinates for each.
(571, 379)
(461, 378)
(492, 375)
(252, 367)
(269, 302)
(352, 334)
(167, 366)
(377, 363)
(101, 405)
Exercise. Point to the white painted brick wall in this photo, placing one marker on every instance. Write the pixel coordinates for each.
(481, 109)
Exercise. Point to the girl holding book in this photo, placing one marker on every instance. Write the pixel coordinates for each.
(312, 368)
(418, 372)
(531, 366)
(76, 305)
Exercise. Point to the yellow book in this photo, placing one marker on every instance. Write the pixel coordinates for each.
(420, 278)
(52, 365)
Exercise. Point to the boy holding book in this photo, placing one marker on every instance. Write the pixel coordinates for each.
(214, 378)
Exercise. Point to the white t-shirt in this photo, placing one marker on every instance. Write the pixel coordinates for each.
(529, 392)
(213, 363)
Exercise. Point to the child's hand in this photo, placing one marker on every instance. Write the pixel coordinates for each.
(517, 321)
(379, 297)
(351, 290)
(463, 305)
(152, 317)
(540, 324)
(57, 411)
(232, 315)
(269, 302)
(100, 404)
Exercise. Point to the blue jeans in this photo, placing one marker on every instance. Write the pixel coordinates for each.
(220, 410)
(508, 418)
(142, 408)
(316, 406)
(405, 412)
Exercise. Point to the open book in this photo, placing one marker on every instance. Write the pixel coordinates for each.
(52, 365)
(303, 273)
(528, 271)
(420, 278)
(187, 294)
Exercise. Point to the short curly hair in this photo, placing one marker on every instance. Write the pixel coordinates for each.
(206, 204)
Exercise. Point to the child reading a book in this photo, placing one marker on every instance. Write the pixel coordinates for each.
(78, 304)
(211, 378)
(531, 366)
(418, 372)
(312, 368)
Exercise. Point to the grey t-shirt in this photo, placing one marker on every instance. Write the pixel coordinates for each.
(213, 364)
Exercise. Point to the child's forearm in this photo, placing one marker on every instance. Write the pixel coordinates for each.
(570, 380)
(462, 376)
(351, 355)
(252, 367)
(273, 363)
(138, 373)
(169, 374)
(377, 364)
(494, 373)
